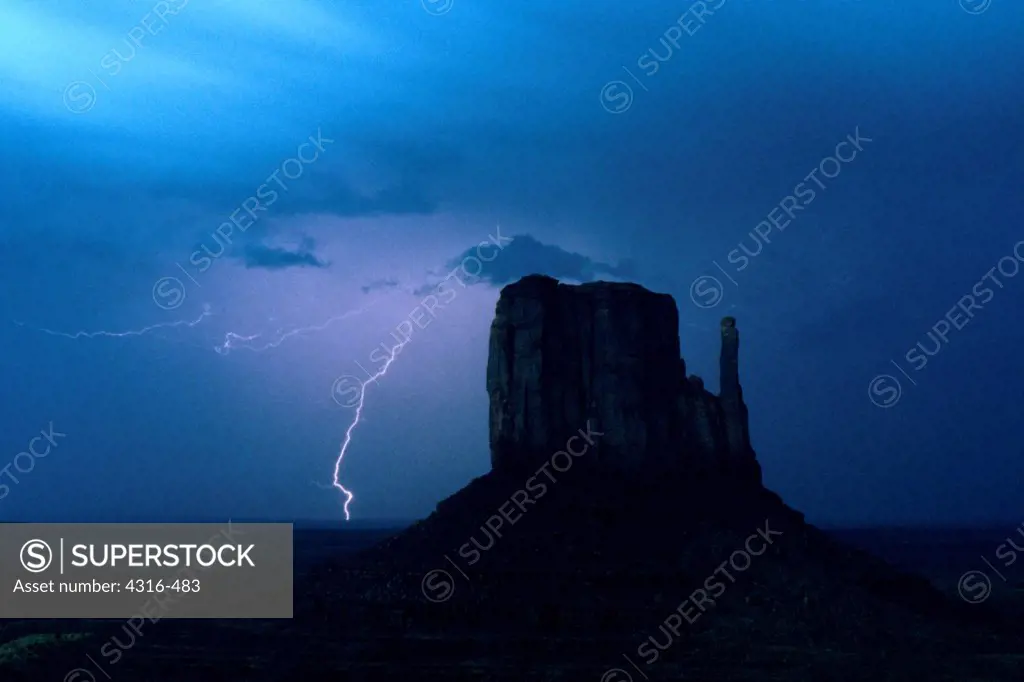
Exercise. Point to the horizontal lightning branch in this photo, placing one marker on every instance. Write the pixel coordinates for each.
(132, 332)
(233, 341)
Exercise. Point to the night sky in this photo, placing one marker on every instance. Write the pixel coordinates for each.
(353, 155)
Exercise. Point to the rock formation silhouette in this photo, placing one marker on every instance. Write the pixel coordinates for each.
(609, 352)
(625, 515)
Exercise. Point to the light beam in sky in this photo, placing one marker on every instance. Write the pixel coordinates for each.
(355, 422)
(132, 332)
(233, 340)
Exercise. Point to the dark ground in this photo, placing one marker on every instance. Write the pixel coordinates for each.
(281, 650)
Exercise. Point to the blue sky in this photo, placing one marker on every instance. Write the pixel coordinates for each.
(133, 130)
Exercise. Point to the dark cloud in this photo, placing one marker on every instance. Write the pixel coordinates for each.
(278, 258)
(524, 255)
(186, 192)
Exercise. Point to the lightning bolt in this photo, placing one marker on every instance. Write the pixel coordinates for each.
(233, 340)
(355, 422)
(132, 332)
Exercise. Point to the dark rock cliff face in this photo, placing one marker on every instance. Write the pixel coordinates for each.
(549, 576)
(561, 355)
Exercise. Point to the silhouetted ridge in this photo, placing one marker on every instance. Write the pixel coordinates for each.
(619, 488)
